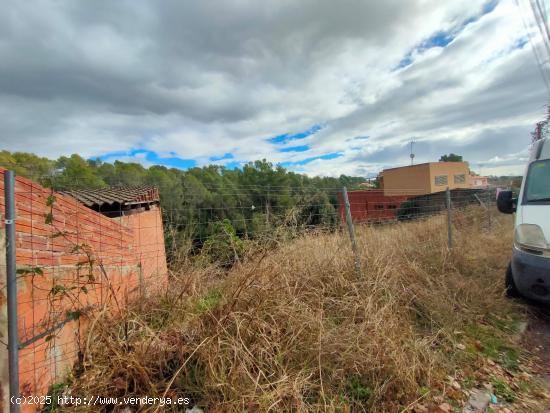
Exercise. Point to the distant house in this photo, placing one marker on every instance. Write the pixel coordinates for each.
(425, 182)
(425, 178)
(477, 181)
(367, 185)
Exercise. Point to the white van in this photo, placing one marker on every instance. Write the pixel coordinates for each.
(529, 271)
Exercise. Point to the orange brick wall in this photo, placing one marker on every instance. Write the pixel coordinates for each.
(85, 261)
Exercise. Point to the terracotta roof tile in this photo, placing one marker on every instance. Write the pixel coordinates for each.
(115, 195)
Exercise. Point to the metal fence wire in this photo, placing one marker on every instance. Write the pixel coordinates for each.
(69, 259)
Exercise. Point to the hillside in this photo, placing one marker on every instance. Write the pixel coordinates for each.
(192, 199)
(295, 328)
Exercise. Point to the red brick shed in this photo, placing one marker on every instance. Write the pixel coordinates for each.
(84, 251)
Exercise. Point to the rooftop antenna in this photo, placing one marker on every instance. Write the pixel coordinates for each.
(412, 153)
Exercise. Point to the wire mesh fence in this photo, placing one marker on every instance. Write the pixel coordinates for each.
(80, 255)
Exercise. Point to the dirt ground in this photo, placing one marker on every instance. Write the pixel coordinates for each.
(536, 341)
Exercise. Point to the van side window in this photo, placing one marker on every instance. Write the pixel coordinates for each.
(537, 186)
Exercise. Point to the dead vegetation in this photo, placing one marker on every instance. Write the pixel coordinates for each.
(295, 329)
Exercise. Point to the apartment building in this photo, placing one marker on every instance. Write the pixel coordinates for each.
(425, 178)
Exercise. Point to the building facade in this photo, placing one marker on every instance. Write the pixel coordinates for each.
(477, 181)
(425, 178)
(409, 182)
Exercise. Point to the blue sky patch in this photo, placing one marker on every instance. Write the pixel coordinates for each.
(489, 7)
(325, 157)
(520, 43)
(301, 148)
(439, 39)
(152, 157)
(406, 61)
(221, 158)
(442, 38)
(233, 165)
(300, 135)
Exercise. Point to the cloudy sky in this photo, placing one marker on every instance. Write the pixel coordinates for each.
(323, 87)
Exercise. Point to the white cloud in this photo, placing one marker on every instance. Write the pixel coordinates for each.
(202, 79)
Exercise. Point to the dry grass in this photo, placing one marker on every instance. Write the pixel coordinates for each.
(297, 330)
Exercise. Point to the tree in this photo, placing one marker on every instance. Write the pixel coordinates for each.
(75, 173)
(209, 205)
(223, 247)
(542, 128)
(450, 158)
(351, 182)
(28, 165)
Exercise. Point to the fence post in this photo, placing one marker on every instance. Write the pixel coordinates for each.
(489, 216)
(449, 219)
(351, 232)
(11, 287)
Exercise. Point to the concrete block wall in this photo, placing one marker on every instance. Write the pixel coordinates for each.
(72, 259)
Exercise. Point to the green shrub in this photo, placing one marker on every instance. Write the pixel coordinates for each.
(223, 247)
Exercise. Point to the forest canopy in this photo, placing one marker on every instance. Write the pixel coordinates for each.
(253, 199)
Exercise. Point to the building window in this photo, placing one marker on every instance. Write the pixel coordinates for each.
(392, 206)
(379, 206)
(441, 180)
(460, 179)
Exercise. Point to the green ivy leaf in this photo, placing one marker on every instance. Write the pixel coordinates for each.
(29, 271)
(48, 218)
(59, 234)
(74, 315)
(50, 200)
(56, 289)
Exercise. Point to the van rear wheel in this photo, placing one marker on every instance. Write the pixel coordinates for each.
(511, 289)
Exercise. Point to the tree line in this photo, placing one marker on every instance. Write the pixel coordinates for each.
(252, 199)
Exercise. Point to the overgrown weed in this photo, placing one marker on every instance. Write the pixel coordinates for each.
(296, 329)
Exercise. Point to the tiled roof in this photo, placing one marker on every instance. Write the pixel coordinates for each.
(115, 195)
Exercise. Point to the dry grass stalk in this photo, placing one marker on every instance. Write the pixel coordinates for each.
(295, 329)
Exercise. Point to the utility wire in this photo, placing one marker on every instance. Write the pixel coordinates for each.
(534, 49)
(541, 24)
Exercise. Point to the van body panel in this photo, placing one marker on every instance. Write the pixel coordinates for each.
(531, 269)
(535, 214)
(531, 275)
